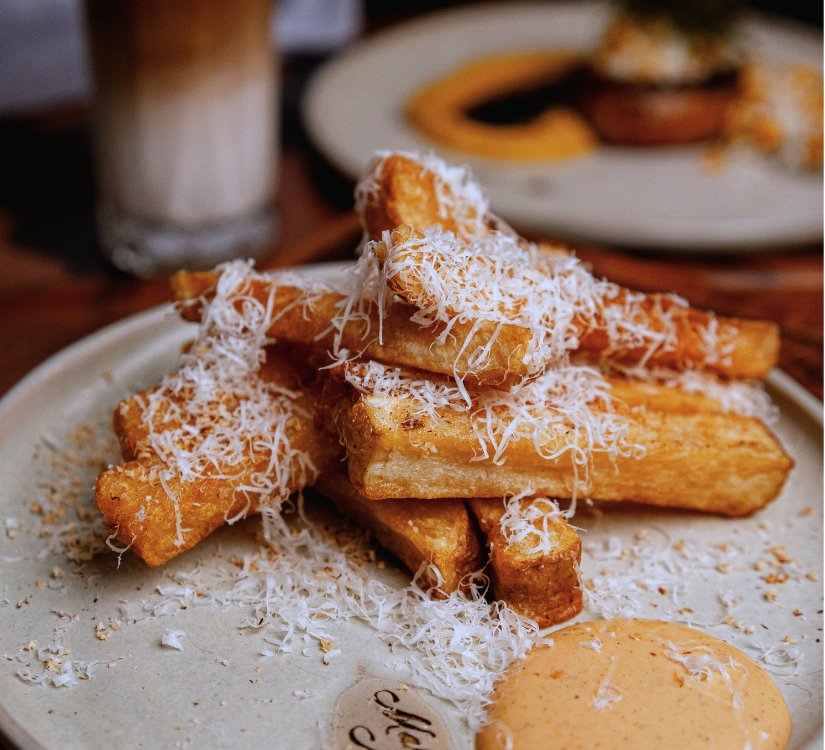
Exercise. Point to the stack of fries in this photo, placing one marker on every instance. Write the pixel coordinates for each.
(471, 380)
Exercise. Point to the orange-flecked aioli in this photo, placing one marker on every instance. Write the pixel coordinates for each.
(636, 685)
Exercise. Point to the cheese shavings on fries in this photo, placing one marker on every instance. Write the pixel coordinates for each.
(230, 414)
(422, 190)
(564, 397)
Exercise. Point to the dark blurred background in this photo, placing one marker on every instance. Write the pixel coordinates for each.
(46, 184)
(56, 286)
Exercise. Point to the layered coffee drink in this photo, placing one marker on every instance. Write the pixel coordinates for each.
(186, 126)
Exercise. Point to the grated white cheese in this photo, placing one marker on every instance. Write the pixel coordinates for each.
(170, 638)
(495, 278)
(607, 693)
(58, 669)
(531, 522)
(575, 397)
(214, 416)
(781, 658)
(700, 661)
(457, 647)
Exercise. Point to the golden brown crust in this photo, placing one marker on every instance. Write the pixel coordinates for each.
(542, 586)
(139, 513)
(415, 531)
(406, 194)
(705, 461)
(753, 345)
(404, 342)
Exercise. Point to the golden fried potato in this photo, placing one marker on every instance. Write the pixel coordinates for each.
(415, 531)
(724, 346)
(405, 342)
(746, 348)
(706, 461)
(138, 511)
(541, 585)
(400, 190)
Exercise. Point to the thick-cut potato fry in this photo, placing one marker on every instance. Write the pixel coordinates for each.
(744, 349)
(751, 346)
(415, 531)
(404, 341)
(139, 513)
(706, 461)
(541, 585)
(400, 190)
(404, 191)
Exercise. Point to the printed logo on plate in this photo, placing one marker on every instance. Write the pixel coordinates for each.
(383, 714)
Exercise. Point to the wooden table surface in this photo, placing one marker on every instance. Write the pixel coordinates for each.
(46, 303)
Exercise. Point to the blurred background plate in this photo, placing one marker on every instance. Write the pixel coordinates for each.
(660, 198)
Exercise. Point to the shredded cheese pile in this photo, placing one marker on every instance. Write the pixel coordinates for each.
(457, 647)
(214, 416)
(495, 278)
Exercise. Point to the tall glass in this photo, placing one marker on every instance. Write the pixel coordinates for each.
(186, 125)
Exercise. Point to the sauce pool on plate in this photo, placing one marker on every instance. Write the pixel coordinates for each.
(636, 684)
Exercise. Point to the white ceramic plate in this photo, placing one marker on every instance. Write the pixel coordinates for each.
(158, 697)
(655, 198)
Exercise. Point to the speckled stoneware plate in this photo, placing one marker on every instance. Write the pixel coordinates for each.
(755, 582)
(663, 198)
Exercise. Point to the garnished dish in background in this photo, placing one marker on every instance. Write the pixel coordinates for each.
(665, 73)
(507, 107)
(503, 87)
